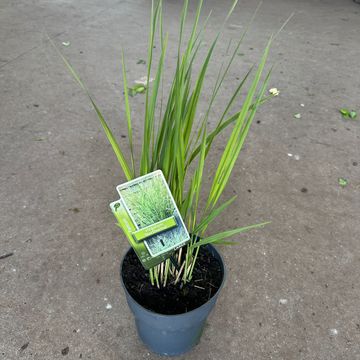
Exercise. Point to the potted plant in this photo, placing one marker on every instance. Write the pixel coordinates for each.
(172, 300)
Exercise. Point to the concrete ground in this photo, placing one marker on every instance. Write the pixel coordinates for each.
(292, 290)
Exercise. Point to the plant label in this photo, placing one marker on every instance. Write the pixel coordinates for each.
(150, 219)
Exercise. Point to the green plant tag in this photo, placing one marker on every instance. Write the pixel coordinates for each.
(149, 217)
(126, 224)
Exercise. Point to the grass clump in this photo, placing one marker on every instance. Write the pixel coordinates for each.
(177, 139)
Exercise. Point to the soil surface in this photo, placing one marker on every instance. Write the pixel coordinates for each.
(173, 299)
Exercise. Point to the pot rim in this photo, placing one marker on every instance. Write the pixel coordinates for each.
(185, 313)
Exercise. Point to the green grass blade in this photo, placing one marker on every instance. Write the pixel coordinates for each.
(245, 130)
(197, 90)
(221, 126)
(221, 79)
(115, 146)
(182, 23)
(154, 93)
(145, 159)
(213, 239)
(128, 113)
(205, 221)
(233, 146)
(196, 188)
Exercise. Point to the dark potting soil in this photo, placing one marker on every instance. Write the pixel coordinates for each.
(173, 299)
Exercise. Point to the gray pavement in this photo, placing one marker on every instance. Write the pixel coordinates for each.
(292, 290)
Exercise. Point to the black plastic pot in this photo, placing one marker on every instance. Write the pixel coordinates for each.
(172, 334)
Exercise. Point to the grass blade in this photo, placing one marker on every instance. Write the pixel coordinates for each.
(144, 162)
(234, 145)
(128, 113)
(205, 221)
(115, 146)
(213, 239)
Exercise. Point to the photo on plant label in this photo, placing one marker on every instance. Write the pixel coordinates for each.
(153, 211)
